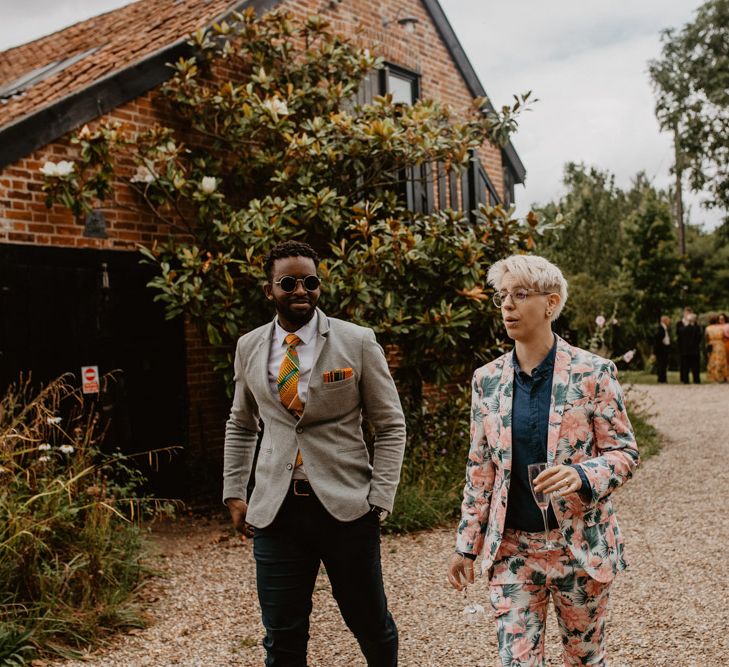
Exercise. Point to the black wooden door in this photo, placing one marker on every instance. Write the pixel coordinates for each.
(61, 309)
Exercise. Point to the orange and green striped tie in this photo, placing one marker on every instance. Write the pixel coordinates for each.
(288, 381)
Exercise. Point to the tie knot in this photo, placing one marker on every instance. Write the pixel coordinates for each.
(292, 340)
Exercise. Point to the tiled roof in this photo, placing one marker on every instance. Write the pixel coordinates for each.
(114, 41)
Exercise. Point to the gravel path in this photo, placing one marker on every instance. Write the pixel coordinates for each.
(670, 608)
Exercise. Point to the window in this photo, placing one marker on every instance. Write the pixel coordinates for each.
(402, 84)
(29, 79)
(421, 183)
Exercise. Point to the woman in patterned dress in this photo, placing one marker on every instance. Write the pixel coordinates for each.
(716, 367)
(545, 401)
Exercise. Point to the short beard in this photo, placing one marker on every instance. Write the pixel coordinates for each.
(293, 317)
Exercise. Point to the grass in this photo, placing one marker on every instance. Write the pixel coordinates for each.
(646, 435)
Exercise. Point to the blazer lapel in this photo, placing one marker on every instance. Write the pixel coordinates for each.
(506, 396)
(321, 337)
(263, 353)
(560, 384)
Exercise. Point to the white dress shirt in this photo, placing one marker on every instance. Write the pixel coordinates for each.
(305, 349)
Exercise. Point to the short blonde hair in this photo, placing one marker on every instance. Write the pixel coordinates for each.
(533, 272)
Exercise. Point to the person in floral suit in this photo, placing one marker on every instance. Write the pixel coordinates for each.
(545, 401)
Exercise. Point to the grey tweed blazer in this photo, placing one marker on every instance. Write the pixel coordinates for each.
(329, 433)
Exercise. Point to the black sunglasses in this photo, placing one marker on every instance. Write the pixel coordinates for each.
(288, 283)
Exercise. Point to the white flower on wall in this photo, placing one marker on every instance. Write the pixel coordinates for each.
(143, 175)
(208, 184)
(60, 169)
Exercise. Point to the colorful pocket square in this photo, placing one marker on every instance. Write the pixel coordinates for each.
(336, 375)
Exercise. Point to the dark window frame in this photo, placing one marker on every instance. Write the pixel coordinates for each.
(402, 73)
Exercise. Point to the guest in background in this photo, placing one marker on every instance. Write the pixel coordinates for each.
(688, 337)
(661, 348)
(717, 355)
(724, 322)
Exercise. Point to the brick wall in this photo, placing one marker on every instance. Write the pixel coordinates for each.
(207, 401)
(25, 219)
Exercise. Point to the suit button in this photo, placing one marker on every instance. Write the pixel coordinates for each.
(289, 466)
(299, 429)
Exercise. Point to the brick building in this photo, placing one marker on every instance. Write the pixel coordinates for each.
(73, 295)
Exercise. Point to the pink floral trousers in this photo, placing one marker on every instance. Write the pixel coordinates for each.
(524, 575)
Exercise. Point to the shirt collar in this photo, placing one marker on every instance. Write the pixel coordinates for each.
(305, 333)
(545, 366)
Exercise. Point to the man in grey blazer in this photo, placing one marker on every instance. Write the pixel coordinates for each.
(318, 497)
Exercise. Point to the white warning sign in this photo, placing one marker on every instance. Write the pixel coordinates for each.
(90, 379)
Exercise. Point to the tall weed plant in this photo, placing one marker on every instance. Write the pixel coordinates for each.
(70, 547)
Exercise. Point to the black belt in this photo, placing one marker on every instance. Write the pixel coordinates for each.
(301, 488)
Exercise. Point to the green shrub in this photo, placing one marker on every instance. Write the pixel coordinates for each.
(70, 548)
(434, 467)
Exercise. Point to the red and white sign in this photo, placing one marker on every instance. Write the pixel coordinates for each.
(90, 379)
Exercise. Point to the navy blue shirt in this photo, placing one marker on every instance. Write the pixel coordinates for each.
(530, 407)
(529, 429)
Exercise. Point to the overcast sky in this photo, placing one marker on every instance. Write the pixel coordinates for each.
(585, 60)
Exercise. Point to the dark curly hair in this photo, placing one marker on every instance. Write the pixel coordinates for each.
(288, 249)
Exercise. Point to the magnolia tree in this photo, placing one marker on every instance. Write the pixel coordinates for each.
(267, 145)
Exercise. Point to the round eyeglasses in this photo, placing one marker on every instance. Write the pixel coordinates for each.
(288, 283)
(517, 296)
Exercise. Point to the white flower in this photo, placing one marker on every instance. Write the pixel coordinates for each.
(208, 184)
(66, 449)
(44, 447)
(600, 321)
(143, 175)
(49, 169)
(44, 459)
(276, 106)
(628, 356)
(64, 167)
(53, 420)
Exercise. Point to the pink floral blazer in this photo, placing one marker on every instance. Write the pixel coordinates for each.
(588, 425)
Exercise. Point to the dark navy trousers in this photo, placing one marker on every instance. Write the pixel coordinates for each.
(288, 555)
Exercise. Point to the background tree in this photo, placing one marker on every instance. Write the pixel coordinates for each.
(584, 228)
(707, 263)
(618, 250)
(652, 268)
(691, 80)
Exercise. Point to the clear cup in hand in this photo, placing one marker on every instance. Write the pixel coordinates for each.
(541, 499)
(473, 613)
